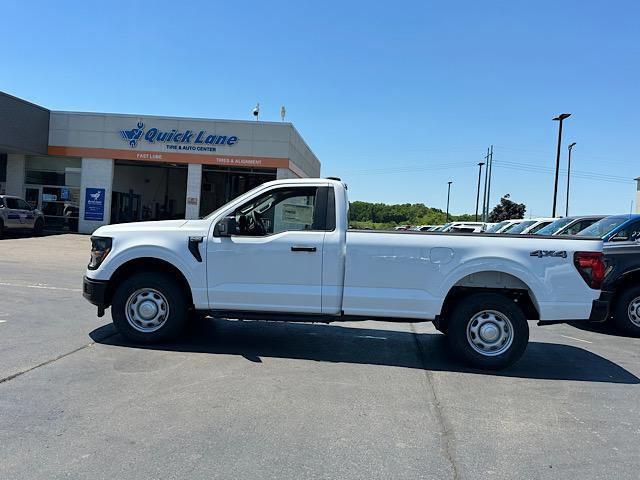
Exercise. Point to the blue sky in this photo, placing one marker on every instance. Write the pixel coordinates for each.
(397, 98)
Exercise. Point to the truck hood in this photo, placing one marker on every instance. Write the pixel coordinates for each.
(157, 226)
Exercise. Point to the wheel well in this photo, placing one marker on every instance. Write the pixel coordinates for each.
(629, 280)
(491, 282)
(147, 264)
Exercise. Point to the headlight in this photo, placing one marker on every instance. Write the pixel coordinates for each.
(100, 248)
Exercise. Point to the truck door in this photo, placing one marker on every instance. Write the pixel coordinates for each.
(272, 262)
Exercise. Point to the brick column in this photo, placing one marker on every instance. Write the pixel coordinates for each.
(194, 186)
(97, 175)
(15, 175)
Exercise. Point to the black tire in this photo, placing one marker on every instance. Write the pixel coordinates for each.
(1, 228)
(503, 316)
(38, 227)
(174, 300)
(623, 319)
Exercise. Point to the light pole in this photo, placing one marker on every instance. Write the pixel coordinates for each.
(566, 213)
(448, 196)
(484, 195)
(480, 164)
(559, 118)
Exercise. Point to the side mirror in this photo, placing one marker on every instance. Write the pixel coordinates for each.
(225, 227)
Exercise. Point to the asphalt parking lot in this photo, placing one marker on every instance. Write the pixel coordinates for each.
(275, 400)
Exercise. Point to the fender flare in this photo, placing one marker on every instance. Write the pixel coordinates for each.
(493, 264)
(147, 251)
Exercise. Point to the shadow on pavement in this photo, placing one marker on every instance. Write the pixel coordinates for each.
(604, 328)
(340, 344)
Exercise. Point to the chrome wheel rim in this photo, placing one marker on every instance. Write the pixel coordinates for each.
(633, 311)
(490, 333)
(147, 310)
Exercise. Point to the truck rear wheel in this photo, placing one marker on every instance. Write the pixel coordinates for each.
(488, 331)
(626, 314)
(149, 307)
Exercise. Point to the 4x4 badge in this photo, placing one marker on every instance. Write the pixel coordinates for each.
(549, 253)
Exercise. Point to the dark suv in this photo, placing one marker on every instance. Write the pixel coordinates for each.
(623, 279)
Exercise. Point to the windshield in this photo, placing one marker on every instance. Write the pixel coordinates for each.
(554, 227)
(497, 226)
(519, 227)
(602, 227)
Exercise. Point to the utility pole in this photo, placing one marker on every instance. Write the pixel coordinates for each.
(484, 195)
(560, 119)
(480, 164)
(489, 172)
(448, 195)
(566, 213)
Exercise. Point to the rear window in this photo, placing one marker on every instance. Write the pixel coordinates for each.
(538, 227)
(602, 227)
(554, 227)
(519, 227)
(579, 226)
(497, 226)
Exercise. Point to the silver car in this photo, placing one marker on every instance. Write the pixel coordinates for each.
(17, 214)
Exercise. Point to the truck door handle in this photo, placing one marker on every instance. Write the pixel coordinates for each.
(303, 249)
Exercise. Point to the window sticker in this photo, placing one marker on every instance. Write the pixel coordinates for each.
(292, 213)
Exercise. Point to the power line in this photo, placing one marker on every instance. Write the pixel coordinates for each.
(597, 177)
(549, 169)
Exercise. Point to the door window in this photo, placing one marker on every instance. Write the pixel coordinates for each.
(22, 205)
(630, 232)
(12, 203)
(281, 210)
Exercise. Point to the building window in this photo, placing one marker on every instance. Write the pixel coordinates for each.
(3, 167)
(52, 184)
(3, 173)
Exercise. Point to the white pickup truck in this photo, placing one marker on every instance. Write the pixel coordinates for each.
(283, 251)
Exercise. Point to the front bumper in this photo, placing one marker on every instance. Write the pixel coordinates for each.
(600, 307)
(95, 291)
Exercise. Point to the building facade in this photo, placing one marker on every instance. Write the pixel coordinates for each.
(84, 170)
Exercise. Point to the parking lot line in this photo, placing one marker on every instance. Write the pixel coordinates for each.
(574, 338)
(45, 287)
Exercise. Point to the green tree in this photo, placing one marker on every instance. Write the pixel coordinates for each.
(383, 216)
(507, 210)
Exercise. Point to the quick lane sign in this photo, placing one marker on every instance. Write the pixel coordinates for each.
(177, 140)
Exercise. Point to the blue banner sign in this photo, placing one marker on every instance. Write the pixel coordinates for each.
(94, 204)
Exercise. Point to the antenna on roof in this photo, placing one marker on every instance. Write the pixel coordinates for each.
(256, 111)
(283, 112)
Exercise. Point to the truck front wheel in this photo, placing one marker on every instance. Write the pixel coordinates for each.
(488, 331)
(149, 308)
